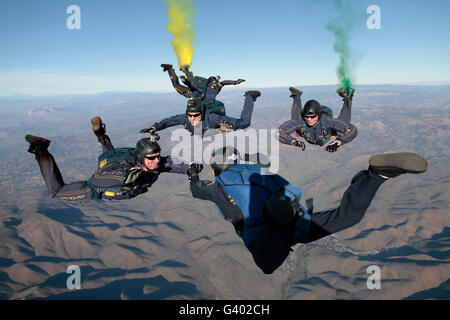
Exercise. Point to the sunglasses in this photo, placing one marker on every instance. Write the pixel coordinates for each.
(153, 157)
(310, 117)
(194, 115)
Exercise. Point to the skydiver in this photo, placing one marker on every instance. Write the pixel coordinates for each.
(265, 208)
(199, 116)
(196, 87)
(123, 173)
(314, 124)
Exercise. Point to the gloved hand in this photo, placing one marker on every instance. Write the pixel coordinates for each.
(332, 147)
(194, 170)
(150, 130)
(184, 68)
(238, 81)
(319, 143)
(224, 126)
(299, 144)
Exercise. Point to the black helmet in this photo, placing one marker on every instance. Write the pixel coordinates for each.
(311, 107)
(194, 105)
(146, 146)
(223, 158)
(212, 81)
(280, 209)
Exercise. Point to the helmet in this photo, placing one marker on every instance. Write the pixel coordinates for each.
(212, 81)
(223, 158)
(311, 107)
(280, 209)
(146, 146)
(194, 105)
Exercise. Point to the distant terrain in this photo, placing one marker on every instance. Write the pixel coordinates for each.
(166, 245)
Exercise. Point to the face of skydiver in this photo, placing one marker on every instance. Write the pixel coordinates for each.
(151, 161)
(311, 119)
(194, 118)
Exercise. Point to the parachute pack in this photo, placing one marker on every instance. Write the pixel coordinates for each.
(248, 188)
(117, 170)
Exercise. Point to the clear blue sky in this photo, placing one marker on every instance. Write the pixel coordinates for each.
(121, 44)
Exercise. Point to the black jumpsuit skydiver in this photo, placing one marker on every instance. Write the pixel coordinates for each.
(81, 190)
(193, 90)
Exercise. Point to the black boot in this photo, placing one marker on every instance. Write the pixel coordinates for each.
(253, 94)
(166, 67)
(37, 144)
(394, 164)
(97, 126)
(295, 92)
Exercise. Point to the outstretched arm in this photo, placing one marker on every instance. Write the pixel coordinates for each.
(346, 131)
(179, 119)
(207, 190)
(286, 129)
(231, 82)
(167, 165)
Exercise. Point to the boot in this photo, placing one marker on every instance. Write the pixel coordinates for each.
(394, 164)
(295, 92)
(37, 144)
(253, 94)
(98, 127)
(166, 67)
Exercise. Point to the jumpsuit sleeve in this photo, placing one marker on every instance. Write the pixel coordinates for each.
(346, 131)
(286, 129)
(228, 82)
(204, 190)
(207, 190)
(179, 119)
(169, 166)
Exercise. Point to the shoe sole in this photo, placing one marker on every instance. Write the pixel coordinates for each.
(295, 91)
(256, 94)
(410, 162)
(33, 139)
(96, 124)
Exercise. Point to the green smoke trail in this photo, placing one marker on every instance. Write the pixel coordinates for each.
(341, 27)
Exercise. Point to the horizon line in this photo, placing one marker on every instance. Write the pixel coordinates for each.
(407, 84)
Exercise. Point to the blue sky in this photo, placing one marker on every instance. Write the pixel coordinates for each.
(121, 44)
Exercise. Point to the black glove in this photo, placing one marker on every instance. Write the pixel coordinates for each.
(150, 130)
(194, 170)
(319, 143)
(299, 144)
(332, 147)
(238, 81)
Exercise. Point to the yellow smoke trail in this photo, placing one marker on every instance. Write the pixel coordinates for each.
(181, 26)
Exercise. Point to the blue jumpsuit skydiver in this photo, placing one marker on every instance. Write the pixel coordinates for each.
(244, 196)
(339, 128)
